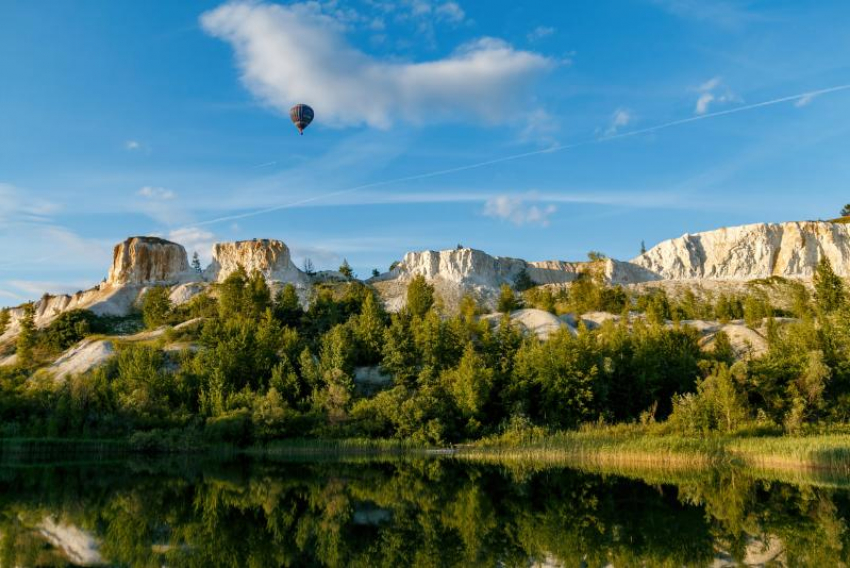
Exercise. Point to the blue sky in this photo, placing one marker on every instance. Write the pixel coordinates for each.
(124, 118)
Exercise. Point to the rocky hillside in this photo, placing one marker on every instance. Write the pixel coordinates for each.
(790, 250)
(459, 271)
(728, 256)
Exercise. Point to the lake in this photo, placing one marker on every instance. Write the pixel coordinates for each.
(412, 512)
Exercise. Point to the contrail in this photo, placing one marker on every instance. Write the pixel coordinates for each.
(558, 148)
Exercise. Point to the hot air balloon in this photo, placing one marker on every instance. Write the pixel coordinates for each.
(302, 116)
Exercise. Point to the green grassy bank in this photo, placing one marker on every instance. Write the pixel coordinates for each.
(639, 446)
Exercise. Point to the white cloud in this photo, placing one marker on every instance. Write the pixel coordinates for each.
(294, 53)
(193, 240)
(805, 100)
(450, 11)
(16, 206)
(540, 32)
(517, 211)
(156, 193)
(729, 14)
(622, 117)
(133, 145)
(712, 92)
(703, 101)
(710, 85)
(540, 127)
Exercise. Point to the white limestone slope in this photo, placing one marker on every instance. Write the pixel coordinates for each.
(270, 257)
(456, 272)
(790, 250)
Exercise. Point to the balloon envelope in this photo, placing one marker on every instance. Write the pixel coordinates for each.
(302, 116)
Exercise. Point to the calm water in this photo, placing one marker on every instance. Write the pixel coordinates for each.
(435, 512)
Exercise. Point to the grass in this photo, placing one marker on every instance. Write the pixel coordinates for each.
(635, 446)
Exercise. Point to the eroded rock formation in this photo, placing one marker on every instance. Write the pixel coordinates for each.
(790, 250)
(148, 260)
(269, 256)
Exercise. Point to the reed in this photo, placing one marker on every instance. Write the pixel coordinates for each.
(636, 446)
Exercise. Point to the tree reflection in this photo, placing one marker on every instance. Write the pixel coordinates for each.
(413, 513)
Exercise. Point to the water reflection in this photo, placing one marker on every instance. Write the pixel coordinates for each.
(434, 512)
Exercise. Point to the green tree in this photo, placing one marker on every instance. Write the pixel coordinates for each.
(231, 294)
(806, 392)
(287, 306)
(196, 262)
(420, 296)
(308, 267)
(829, 288)
(400, 356)
(470, 384)
(258, 297)
(27, 336)
(156, 306)
(345, 270)
(523, 281)
(67, 329)
(845, 211)
(507, 300)
(369, 329)
(718, 404)
(643, 247)
(375, 273)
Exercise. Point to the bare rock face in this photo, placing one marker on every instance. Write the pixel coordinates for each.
(268, 256)
(148, 260)
(790, 250)
(459, 271)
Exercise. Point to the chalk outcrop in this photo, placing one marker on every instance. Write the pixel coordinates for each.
(747, 252)
(269, 256)
(459, 271)
(148, 260)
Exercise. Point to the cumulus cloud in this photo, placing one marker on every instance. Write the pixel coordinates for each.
(713, 92)
(622, 117)
(295, 53)
(540, 32)
(133, 145)
(156, 193)
(517, 211)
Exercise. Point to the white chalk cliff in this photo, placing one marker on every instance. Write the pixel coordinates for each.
(734, 254)
(148, 260)
(790, 250)
(270, 257)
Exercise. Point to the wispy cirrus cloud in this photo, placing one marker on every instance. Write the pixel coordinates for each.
(17, 206)
(621, 118)
(727, 14)
(540, 32)
(293, 53)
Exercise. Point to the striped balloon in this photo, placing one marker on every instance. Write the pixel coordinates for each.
(302, 116)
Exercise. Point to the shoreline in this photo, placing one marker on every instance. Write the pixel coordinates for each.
(595, 448)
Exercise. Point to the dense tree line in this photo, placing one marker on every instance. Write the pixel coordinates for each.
(254, 365)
